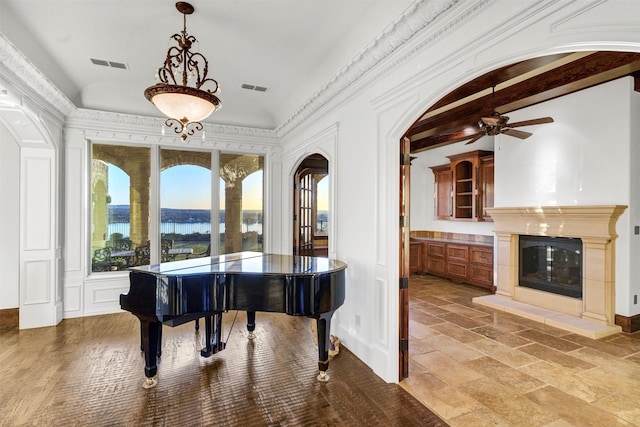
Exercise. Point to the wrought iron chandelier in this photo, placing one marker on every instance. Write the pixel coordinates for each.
(185, 105)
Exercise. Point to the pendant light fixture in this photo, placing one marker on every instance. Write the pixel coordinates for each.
(179, 95)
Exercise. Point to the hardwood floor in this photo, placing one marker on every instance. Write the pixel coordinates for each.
(475, 366)
(88, 371)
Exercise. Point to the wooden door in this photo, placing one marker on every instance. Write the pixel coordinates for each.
(309, 237)
(303, 216)
(405, 267)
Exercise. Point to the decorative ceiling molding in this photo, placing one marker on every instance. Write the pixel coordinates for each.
(127, 127)
(36, 82)
(414, 19)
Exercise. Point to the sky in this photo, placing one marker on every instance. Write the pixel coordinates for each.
(186, 187)
(189, 187)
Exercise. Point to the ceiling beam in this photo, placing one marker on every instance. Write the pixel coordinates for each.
(441, 125)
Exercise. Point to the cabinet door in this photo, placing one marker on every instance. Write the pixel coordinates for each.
(436, 258)
(481, 266)
(458, 262)
(415, 257)
(486, 180)
(443, 192)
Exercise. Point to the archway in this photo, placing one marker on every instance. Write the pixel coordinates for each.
(36, 211)
(547, 78)
(310, 207)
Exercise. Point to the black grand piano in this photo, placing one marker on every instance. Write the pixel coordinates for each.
(177, 292)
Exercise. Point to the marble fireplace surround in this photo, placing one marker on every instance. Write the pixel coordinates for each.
(593, 315)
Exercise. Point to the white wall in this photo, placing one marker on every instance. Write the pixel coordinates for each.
(580, 159)
(9, 218)
(373, 115)
(631, 305)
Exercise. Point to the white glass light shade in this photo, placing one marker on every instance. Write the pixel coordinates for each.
(182, 103)
(179, 106)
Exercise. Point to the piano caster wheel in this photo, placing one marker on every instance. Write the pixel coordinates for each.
(323, 376)
(150, 382)
(252, 335)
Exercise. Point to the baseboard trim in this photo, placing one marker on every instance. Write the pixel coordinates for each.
(9, 318)
(628, 324)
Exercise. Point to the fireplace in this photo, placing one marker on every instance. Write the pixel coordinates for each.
(590, 313)
(551, 264)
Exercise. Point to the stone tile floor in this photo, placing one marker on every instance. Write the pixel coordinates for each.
(477, 366)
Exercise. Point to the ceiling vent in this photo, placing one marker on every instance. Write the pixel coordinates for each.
(111, 64)
(254, 87)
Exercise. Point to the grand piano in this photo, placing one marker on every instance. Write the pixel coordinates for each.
(177, 292)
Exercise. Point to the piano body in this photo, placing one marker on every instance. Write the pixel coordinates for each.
(177, 292)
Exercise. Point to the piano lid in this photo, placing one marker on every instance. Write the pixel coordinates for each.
(246, 263)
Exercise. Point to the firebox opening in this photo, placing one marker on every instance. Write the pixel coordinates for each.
(551, 264)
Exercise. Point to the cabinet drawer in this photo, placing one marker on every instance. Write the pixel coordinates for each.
(457, 253)
(457, 271)
(481, 256)
(436, 249)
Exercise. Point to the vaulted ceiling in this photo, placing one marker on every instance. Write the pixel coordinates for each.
(455, 117)
(102, 54)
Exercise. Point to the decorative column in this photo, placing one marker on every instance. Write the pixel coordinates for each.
(139, 203)
(507, 276)
(599, 280)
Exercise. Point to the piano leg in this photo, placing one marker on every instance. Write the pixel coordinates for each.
(213, 335)
(151, 342)
(251, 324)
(324, 341)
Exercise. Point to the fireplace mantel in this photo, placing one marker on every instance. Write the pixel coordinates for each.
(595, 225)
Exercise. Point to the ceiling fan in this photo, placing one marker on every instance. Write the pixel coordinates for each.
(496, 124)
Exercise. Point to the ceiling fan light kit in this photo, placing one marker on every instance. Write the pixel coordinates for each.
(185, 105)
(496, 124)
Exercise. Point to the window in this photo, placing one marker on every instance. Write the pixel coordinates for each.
(241, 204)
(119, 205)
(185, 204)
(125, 230)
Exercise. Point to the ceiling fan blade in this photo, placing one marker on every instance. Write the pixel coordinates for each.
(517, 133)
(531, 122)
(475, 137)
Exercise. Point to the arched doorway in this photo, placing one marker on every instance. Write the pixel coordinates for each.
(310, 207)
(30, 151)
(457, 118)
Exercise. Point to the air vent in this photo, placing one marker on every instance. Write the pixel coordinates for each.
(254, 87)
(112, 64)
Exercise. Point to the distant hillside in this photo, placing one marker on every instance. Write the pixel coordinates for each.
(120, 214)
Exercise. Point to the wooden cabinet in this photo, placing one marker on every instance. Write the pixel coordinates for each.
(458, 262)
(443, 191)
(481, 265)
(464, 188)
(470, 263)
(415, 257)
(486, 181)
(435, 258)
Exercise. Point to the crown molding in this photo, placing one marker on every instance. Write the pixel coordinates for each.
(414, 19)
(34, 81)
(105, 125)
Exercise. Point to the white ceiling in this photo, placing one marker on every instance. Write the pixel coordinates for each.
(292, 47)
